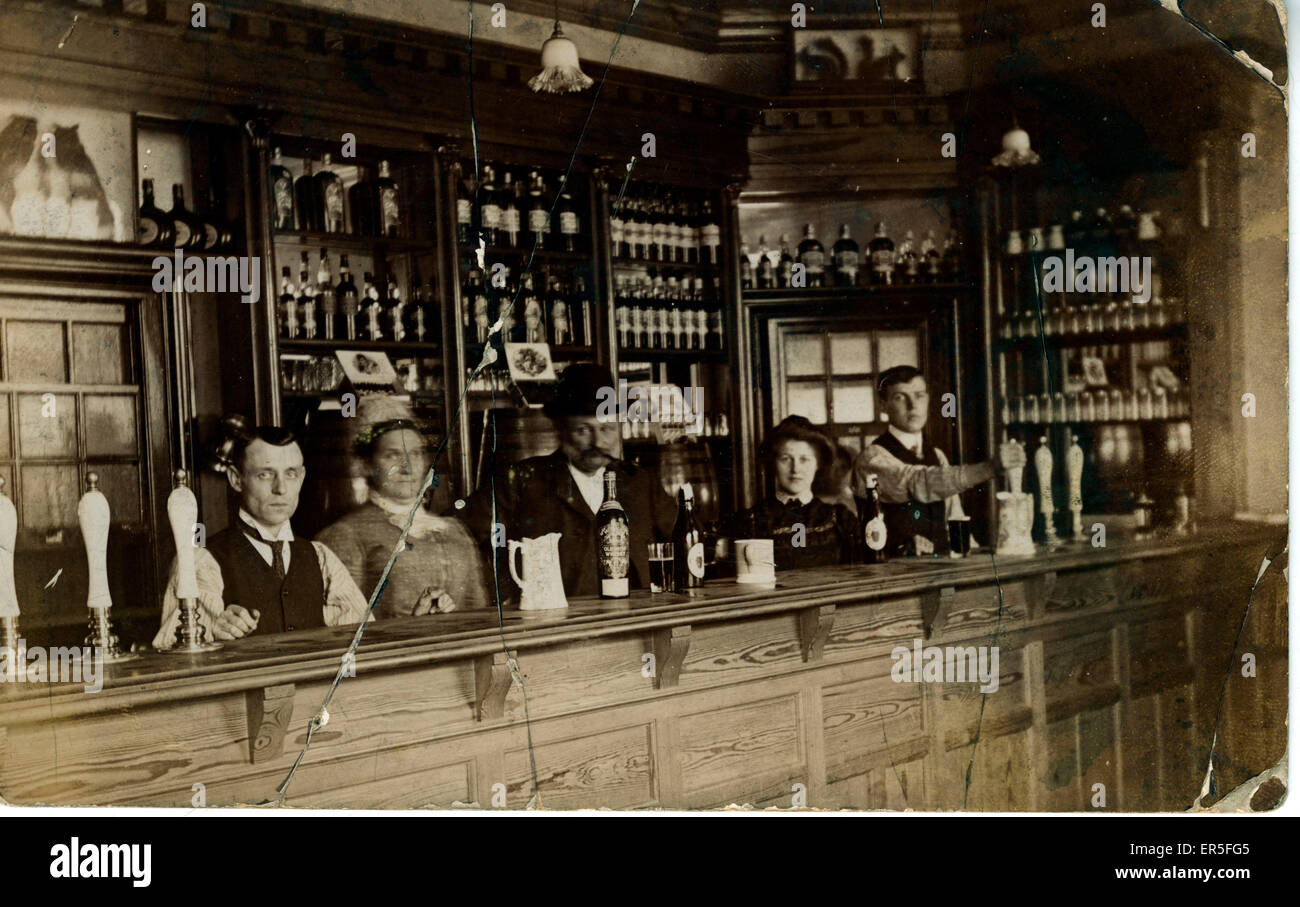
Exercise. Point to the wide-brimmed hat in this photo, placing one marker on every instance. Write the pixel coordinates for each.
(797, 428)
(579, 390)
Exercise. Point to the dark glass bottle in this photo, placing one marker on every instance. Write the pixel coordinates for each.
(346, 294)
(932, 261)
(570, 224)
(710, 236)
(388, 208)
(373, 309)
(688, 543)
(846, 258)
(812, 255)
(909, 263)
(417, 325)
(464, 212)
(881, 249)
(395, 310)
(489, 212)
(539, 215)
(288, 306)
(326, 298)
(328, 198)
(281, 184)
(613, 542)
(306, 299)
(560, 311)
(586, 320)
(764, 273)
(304, 199)
(219, 236)
(187, 229)
(746, 267)
(872, 517)
(155, 225)
(786, 266)
(952, 268)
(510, 215)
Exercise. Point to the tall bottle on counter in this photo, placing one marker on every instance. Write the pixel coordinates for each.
(613, 542)
(688, 543)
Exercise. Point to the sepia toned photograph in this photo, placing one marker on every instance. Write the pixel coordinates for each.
(560, 405)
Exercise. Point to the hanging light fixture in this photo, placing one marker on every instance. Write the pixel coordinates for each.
(1015, 148)
(560, 69)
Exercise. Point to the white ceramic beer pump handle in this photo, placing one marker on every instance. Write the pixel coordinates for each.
(1015, 475)
(1074, 472)
(183, 514)
(94, 515)
(8, 538)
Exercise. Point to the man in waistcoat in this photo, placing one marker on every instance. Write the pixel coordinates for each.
(255, 576)
(918, 487)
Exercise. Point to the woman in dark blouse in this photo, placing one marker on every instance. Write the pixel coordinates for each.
(807, 532)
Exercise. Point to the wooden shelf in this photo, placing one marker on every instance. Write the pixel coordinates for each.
(350, 242)
(1096, 338)
(541, 256)
(819, 293)
(626, 264)
(419, 350)
(652, 354)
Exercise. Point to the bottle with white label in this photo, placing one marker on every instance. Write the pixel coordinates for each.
(613, 542)
(688, 543)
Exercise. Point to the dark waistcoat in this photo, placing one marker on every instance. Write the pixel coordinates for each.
(902, 521)
(294, 603)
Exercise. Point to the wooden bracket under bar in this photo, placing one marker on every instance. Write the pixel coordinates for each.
(935, 607)
(814, 629)
(270, 710)
(492, 682)
(671, 645)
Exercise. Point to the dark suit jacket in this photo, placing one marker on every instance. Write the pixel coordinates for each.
(538, 495)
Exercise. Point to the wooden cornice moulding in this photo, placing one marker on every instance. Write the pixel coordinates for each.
(814, 629)
(492, 682)
(270, 709)
(670, 647)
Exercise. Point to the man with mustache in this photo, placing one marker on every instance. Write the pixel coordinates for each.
(562, 491)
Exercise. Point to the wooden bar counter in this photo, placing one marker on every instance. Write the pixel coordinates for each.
(1112, 661)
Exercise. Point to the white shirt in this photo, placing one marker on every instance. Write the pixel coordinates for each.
(898, 481)
(260, 544)
(910, 439)
(802, 498)
(592, 487)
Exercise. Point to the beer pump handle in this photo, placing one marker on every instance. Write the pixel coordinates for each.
(1074, 473)
(8, 538)
(94, 516)
(1015, 475)
(1043, 466)
(183, 514)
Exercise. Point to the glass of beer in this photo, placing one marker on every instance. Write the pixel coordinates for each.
(661, 567)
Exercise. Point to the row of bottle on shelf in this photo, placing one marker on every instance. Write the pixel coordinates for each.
(652, 223)
(885, 265)
(515, 214)
(1128, 233)
(665, 311)
(1062, 318)
(549, 306)
(317, 202)
(1113, 405)
(711, 425)
(319, 308)
(181, 228)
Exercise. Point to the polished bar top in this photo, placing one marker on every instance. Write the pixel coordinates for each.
(315, 655)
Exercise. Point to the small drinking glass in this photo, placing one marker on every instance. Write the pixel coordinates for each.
(661, 567)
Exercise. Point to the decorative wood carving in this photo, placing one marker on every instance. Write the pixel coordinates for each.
(670, 647)
(270, 710)
(814, 629)
(492, 681)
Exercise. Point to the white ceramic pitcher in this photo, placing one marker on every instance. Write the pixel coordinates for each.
(541, 585)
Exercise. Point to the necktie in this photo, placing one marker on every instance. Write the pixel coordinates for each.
(277, 557)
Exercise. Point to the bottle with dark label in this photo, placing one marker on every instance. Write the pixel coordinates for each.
(688, 543)
(539, 215)
(881, 249)
(909, 263)
(510, 216)
(582, 299)
(328, 198)
(155, 225)
(346, 294)
(464, 211)
(288, 306)
(534, 328)
(617, 236)
(746, 267)
(812, 255)
(930, 259)
(396, 310)
(325, 296)
(613, 542)
(764, 274)
(281, 184)
(489, 212)
(417, 325)
(304, 199)
(710, 236)
(569, 222)
(374, 310)
(952, 269)
(845, 256)
(388, 211)
(786, 266)
(306, 299)
(873, 523)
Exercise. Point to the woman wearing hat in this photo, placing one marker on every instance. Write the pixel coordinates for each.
(440, 570)
(807, 532)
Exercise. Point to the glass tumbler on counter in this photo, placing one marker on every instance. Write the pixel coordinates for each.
(661, 567)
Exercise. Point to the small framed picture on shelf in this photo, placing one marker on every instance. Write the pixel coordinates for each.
(1094, 372)
(530, 361)
(368, 369)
